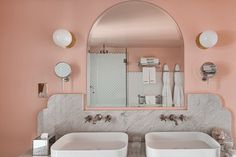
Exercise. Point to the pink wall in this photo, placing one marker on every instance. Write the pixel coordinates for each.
(27, 55)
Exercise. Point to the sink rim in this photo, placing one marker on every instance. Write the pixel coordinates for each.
(214, 142)
(56, 145)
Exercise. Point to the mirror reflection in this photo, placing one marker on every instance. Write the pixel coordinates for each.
(135, 58)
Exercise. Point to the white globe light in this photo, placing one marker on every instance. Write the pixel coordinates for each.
(208, 39)
(62, 37)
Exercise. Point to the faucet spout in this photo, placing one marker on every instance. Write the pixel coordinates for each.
(173, 118)
(98, 117)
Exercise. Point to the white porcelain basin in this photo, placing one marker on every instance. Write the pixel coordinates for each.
(181, 144)
(91, 144)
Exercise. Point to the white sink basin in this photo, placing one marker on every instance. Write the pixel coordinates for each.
(91, 144)
(181, 144)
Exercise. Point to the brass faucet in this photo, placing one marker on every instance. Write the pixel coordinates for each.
(182, 117)
(108, 118)
(173, 118)
(163, 117)
(88, 118)
(98, 117)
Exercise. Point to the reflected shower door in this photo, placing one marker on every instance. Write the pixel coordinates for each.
(107, 79)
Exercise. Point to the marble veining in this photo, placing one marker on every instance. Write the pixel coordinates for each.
(65, 114)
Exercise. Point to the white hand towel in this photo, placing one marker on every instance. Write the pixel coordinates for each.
(146, 79)
(178, 87)
(166, 89)
(152, 75)
(150, 99)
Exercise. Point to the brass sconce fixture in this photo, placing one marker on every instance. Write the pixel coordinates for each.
(207, 39)
(63, 38)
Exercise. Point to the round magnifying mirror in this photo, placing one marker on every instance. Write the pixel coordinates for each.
(63, 70)
(208, 70)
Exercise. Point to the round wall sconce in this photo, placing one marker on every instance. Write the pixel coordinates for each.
(63, 38)
(63, 71)
(207, 39)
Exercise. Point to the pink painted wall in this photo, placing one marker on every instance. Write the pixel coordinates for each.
(27, 55)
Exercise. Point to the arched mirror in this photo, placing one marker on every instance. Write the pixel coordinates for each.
(135, 59)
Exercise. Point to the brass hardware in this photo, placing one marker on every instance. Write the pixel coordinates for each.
(163, 117)
(98, 117)
(198, 42)
(182, 118)
(88, 118)
(108, 118)
(72, 42)
(174, 118)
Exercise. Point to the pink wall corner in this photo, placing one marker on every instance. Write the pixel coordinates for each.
(27, 55)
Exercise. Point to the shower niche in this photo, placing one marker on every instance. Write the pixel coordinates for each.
(135, 59)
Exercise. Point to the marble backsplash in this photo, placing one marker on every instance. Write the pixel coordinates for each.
(65, 114)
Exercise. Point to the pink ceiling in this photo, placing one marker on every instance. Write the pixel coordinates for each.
(135, 24)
